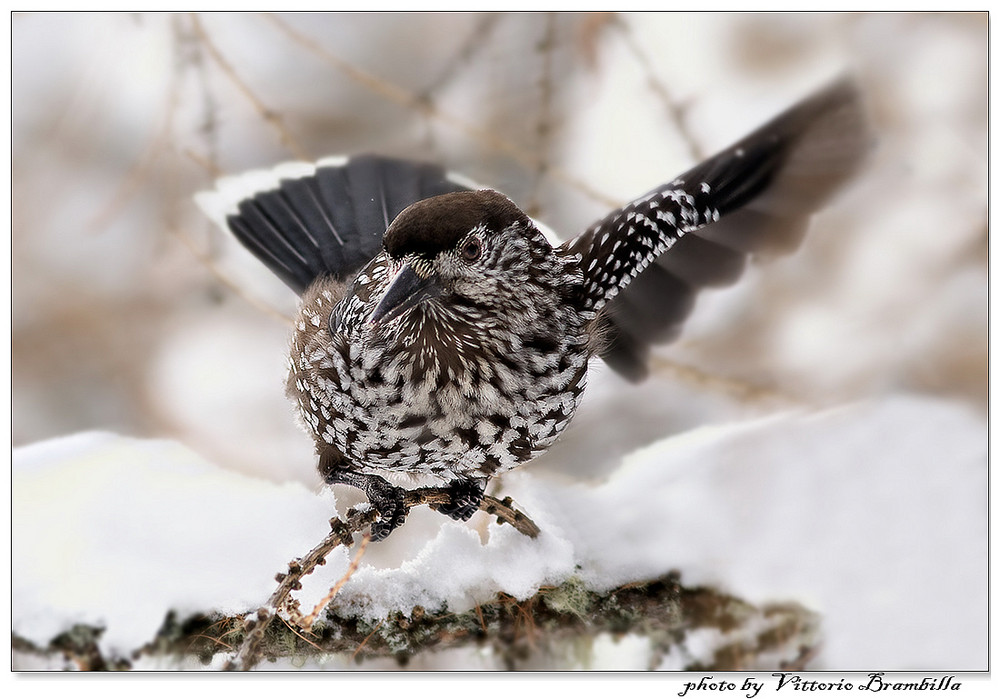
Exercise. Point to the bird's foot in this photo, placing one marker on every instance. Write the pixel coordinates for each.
(388, 501)
(466, 494)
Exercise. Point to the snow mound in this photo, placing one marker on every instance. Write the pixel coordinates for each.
(875, 515)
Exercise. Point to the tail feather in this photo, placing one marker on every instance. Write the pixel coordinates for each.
(304, 221)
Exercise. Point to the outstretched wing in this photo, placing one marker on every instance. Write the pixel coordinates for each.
(305, 220)
(644, 263)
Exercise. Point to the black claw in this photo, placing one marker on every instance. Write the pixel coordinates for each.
(387, 499)
(465, 498)
(380, 530)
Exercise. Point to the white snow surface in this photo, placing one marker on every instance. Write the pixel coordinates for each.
(873, 514)
(114, 531)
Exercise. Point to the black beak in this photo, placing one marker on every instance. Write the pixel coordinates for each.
(404, 292)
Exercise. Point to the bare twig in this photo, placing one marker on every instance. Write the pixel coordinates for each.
(464, 57)
(304, 639)
(342, 534)
(477, 40)
(224, 279)
(307, 622)
(591, 28)
(191, 54)
(269, 115)
(742, 391)
(365, 640)
(207, 163)
(675, 111)
(543, 127)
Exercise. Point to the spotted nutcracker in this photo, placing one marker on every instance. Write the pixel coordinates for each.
(440, 332)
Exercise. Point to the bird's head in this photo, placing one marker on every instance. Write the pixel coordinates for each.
(466, 251)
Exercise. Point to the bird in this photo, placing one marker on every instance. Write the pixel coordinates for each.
(443, 332)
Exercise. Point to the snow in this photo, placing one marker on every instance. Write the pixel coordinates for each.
(872, 514)
(115, 532)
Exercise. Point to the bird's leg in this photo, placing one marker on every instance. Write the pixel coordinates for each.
(386, 498)
(466, 494)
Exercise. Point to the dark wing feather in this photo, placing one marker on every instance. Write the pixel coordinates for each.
(305, 221)
(644, 263)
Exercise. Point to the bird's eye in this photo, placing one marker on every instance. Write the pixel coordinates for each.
(472, 249)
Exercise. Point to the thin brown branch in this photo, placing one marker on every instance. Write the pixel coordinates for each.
(269, 115)
(479, 615)
(308, 621)
(190, 60)
(590, 30)
(213, 639)
(304, 639)
(477, 40)
(461, 60)
(194, 58)
(543, 126)
(366, 638)
(342, 534)
(205, 162)
(674, 110)
(742, 391)
(224, 279)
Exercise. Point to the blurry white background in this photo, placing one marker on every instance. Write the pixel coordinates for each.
(132, 314)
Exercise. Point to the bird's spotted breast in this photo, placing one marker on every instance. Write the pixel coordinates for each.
(433, 392)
